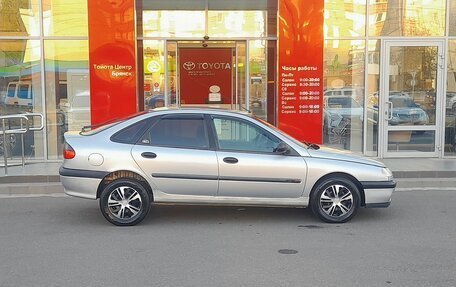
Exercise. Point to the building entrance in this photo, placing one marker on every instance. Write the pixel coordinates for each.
(201, 73)
(232, 45)
(211, 73)
(411, 98)
(206, 76)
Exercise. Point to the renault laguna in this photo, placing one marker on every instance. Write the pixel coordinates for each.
(215, 157)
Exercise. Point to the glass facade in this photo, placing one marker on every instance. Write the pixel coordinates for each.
(404, 81)
(67, 90)
(343, 98)
(44, 69)
(450, 101)
(21, 92)
(20, 18)
(417, 18)
(44, 62)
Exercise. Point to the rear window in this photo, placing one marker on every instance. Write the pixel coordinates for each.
(94, 129)
(132, 133)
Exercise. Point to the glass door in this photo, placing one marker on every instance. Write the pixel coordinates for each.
(206, 73)
(411, 96)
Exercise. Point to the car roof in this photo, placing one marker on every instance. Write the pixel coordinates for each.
(197, 109)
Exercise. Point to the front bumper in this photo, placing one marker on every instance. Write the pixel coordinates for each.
(378, 193)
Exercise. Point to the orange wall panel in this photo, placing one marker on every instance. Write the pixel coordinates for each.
(112, 59)
(300, 97)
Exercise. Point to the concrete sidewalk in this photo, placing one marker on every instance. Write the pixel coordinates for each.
(410, 173)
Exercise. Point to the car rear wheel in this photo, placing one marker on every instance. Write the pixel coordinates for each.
(335, 200)
(124, 202)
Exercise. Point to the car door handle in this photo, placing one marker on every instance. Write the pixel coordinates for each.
(149, 155)
(230, 160)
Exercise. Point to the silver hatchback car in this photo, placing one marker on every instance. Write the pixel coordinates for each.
(216, 157)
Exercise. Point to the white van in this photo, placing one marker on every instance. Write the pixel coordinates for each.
(19, 94)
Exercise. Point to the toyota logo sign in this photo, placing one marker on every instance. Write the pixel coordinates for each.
(189, 66)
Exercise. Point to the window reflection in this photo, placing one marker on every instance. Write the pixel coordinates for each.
(258, 78)
(67, 90)
(372, 105)
(343, 94)
(241, 58)
(452, 12)
(154, 74)
(450, 102)
(345, 18)
(20, 92)
(412, 83)
(407, 18)
(19, 18)
(173, 23)
(65, 18)
(236, 23)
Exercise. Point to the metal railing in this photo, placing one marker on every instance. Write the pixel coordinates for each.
(22, 123)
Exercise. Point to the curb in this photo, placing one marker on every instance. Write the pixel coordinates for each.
(31, 189)
(15, 179)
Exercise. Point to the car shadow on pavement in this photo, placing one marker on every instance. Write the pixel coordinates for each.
(223, 214)
(83, 214)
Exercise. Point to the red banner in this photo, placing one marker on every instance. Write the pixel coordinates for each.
(112, 59)
(205, 75)
(300, 102)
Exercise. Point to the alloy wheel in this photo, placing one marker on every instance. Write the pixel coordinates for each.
(336, 200)
(124, 202)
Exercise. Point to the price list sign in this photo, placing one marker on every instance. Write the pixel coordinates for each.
(300, 102)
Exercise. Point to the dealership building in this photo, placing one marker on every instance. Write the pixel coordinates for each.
(373, 77)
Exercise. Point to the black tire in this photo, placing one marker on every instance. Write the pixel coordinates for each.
(127, 209)
(335, 200)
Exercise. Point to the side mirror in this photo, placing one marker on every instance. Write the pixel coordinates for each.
(282, 148)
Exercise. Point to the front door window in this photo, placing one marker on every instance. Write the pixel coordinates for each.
(238, 135)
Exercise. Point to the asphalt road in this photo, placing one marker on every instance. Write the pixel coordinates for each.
(63, 241)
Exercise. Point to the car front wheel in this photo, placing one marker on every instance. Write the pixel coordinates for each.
(335, 200)
(124, 202)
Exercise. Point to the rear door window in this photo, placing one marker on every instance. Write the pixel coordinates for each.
(178, 131)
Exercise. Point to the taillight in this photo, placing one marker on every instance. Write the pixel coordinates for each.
(68, 152)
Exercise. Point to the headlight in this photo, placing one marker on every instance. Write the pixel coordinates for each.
(387, 172)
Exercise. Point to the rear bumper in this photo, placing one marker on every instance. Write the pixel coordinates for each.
(81, 183)
(378, 193)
